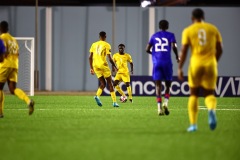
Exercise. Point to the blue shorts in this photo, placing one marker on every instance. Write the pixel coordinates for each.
(162, 71)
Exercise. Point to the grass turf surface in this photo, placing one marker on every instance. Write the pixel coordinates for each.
(74, 127)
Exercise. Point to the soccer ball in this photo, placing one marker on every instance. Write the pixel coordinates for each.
(123, 99)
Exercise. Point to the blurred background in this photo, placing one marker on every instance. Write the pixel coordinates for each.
(65, 29)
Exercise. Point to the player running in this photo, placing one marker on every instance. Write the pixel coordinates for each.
(123, 75)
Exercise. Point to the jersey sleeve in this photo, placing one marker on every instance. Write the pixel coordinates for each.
(91, 48)
(129, 58)
(2, 47)
(185, 39)
(173, 39)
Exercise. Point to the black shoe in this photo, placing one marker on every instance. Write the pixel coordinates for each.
(31, 107)
(131, 100)
(166, 111)
(1, 116)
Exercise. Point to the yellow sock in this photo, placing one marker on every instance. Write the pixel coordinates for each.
(113, 95)
(21, 95)
(193, 109)
(99, 92)
(1, 101)
(211, 102)
(129, 89)
(120, 90)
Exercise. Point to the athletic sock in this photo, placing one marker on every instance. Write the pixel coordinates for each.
(99, 92)
(193, 109)
(120, 90)
(129, 90)
(211, 102)
(21, 95)
(113, 95)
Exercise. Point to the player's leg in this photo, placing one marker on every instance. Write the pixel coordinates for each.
(1, 99)
(118, 88)
(129, 90)
(21, 95)
(12, 83)
(4, 72)
(208, 83)
(158, 87)
(126, 80)
(193, 109)
(211, 103)
(112, 92)
(102, 85)
(167, 96)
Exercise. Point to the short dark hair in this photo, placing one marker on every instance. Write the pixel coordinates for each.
(4, 26)
(198, 13)
(102, 34)
(121, 45)
(163, 24)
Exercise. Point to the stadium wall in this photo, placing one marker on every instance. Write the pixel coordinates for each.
(75, 28)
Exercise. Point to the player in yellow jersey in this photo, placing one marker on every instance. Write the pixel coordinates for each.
(99, 52)
(205, 42)
(9, 69)
(122, 59)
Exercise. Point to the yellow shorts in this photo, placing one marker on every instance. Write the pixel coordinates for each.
(10, 74)
(203, 75)
(105, 72)
(125, 77)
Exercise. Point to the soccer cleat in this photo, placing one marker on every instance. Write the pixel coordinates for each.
(130, 100)
(192, 128)
(160, 113)
(166, 111)
(212, 120)
(99, 103)
(1, 116)
(31, 107)
(115, 104)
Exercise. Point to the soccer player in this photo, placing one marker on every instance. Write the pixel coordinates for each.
(99, 52)
(205, 42)
(121, 59)
(9, 69)
(161, 44)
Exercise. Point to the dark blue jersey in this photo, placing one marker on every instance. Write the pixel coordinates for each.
(161, 43)
(2, 47)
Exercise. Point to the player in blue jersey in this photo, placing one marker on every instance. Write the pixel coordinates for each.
(159, 46)
(2, 50)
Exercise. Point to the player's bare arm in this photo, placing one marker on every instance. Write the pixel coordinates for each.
(112, 62)
(182, 60)
(175, 50)
(148, 49)
(219, 50)
(131, 65)
(90, 63)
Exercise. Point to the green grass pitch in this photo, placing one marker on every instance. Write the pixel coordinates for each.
(74, 127)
